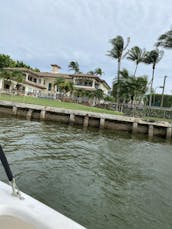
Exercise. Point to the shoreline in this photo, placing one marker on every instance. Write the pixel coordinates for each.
(87, 119)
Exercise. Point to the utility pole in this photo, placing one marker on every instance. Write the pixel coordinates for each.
(163, 88)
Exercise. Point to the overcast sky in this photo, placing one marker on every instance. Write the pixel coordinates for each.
(44, 32)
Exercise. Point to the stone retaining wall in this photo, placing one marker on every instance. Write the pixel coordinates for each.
(86, 119)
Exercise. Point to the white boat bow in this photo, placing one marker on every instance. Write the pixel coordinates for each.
(20, 211)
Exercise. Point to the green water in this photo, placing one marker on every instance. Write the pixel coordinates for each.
(103, 180)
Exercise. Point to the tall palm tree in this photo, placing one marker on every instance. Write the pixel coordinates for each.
(136, 55)
(74, 66)
(153, 57)
(116, 52)
(165, 40)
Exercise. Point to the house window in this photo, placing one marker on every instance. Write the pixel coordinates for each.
(6, 86)
(39, 81)
(30, 78)
(96, 85)
(49, 86)
(44, 82)
(34, 80)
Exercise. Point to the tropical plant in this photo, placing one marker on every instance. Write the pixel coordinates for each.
(153, 57)
(17, 76)
(74, 66)
(98, 93)
(21, 64)
(63, 86)
(165, 40)
(90, 72)
(136, 55)
(6, 61)
(131, 87)
(116, 52)
(98, 71)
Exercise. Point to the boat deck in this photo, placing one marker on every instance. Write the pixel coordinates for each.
(11, 222)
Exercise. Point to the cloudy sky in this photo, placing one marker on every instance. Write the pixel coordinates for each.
(44, 32)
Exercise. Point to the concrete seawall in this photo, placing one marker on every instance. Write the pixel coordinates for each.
(86, 119)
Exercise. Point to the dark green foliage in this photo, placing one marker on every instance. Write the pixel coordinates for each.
(116, 52)
(156, 101)
(63, 85)
(74, 66)
(130, 87)
(165, 40)
(153, 57)
(7, 62)
(89, 94)
(136, 55)
(117, 47)
(97, 71)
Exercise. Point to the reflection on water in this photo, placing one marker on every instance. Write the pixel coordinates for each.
(100, 179)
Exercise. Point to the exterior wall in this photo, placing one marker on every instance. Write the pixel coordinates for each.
(32, 90)
(46, 82)
(91, 87)
(104, 89)
(89, 83)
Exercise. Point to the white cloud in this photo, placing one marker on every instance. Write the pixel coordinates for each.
(41, 32)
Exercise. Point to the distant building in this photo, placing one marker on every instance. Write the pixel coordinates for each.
(43, 82)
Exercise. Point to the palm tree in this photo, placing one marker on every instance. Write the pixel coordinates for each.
(131, 87)
(98, 71)
(63, 85)
(90, 72)
(165, 40)
(153, 57)
(74, 66)
(59, 82)
(116, 52)
(136, 55)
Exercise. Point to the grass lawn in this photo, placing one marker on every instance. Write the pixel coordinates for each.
(155, 119)
(54, 103)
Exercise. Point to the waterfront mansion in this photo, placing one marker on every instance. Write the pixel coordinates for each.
(36, 83)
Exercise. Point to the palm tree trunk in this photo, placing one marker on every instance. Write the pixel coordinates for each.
(118, 78)
(135, 70)
(151, 86)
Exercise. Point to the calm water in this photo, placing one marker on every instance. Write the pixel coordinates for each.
(102, 180)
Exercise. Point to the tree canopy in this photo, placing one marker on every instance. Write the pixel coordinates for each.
(130, 87)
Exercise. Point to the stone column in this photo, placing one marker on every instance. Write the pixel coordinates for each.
(42, 114)
(27, 75)
(15, 110)
(86, 119)
(29, 114)
(102, 123)
(72, 118)
(150, 130)
(169, 132)
(134, 128)
(93, 85)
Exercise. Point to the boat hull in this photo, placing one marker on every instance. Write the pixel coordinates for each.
(30, 213)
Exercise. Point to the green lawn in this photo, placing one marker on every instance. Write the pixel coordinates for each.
(155, 119)
(54, 103)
